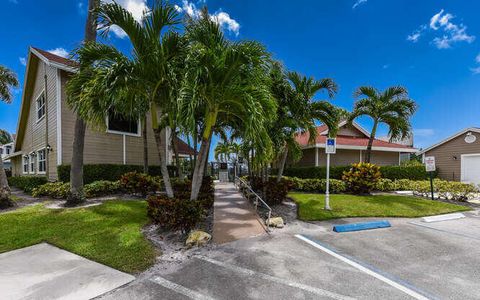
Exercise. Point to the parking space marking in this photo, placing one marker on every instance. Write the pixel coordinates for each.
(310, 289)
(445, 231)
(364, 269)
(180, 289)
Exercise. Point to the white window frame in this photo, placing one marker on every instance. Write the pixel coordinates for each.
(25, 163)
(31, 159)
(462, 165)
(42, 94)
(44, 160)
(138, 134)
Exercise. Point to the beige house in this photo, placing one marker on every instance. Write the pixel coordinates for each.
(45, 126)
(352, 141)
(458, 156)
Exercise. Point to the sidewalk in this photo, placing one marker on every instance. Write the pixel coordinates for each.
(234, 217)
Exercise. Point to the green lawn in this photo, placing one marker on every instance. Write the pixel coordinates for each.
(108, 233)
(310, 206)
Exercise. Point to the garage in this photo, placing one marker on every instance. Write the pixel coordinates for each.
(470, 165)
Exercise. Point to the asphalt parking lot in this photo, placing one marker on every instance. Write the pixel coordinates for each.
(410, 260)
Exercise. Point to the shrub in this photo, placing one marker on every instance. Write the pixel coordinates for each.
(361, 178)
(413, 172)
(26, 183)
(317, 185)
(102, 188)
(138, 183)
(385, 185)
(57, 190)
(276, 192)
(182, 189)
(175, 213)
(110, 172)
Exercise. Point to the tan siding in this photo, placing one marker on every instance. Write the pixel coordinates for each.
(308, 158)
(345, 157)
(16, 165)
(448, 167)
(349, 131)
(384, 158)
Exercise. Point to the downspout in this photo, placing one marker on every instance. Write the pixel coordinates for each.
(47, 148)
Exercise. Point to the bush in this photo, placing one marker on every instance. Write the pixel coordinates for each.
(361, 178)
(175, 213)
(138, 183)
(26, 183)
(385, 185)
(102, 188)
(57, 190)
(317, 185)
(182, 189)
(110, 172)
(413, 172)
(276, 192)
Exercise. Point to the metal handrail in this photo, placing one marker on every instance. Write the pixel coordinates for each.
(257, 198)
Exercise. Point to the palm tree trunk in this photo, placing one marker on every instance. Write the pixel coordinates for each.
(145, 146)
(283, 161)
(368, 153)
(5, 200)
(76, 170)
(162, 154)
(195, 149)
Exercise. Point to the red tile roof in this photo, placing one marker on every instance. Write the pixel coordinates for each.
(58, 59)
(183, 147)
(343, 140)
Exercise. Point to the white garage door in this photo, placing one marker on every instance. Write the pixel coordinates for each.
(471, 168)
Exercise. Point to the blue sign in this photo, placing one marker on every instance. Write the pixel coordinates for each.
(330, 147)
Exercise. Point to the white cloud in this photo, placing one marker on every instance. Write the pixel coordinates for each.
(220, 17)
(59, 51)
(475, 71)
(423, 132)
(23, 61)
(136, 8)
(359, 2)
(451, 33)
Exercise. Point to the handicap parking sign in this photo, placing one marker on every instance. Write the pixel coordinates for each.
(330, 147)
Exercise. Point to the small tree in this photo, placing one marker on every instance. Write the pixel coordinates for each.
(8, 79)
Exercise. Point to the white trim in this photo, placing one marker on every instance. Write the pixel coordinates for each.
(473, 129)
(59, 117)
(316, 157)
(44, 105)
(349, 147)
(399, 158)
(139, 129)
(124, 149)
(28, 164)
(51, 63)
(30, 170)
(361, 158)
(37, 155)
(354, 124)
(462, 169)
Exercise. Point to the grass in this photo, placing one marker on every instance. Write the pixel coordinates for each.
(310, 206)
(109, 233)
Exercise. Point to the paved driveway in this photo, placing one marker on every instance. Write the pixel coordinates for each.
(307, 261)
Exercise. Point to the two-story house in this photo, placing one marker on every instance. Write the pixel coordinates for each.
(45, 126)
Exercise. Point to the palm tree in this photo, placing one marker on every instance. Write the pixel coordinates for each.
(222, 151)
(133, 85)
(392, 107)
(8, 79)
(299, 112)
(76, 195)
(227, 82)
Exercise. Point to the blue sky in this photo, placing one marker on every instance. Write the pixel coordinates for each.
(432, 47)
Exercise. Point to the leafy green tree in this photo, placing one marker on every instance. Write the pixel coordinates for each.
(227, 82)
(392, 107)
(8, 80)
(222, 151)
(5, 137)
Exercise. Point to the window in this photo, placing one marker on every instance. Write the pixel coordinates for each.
(1, 151)
(42, 161)
(25, 164)
(8, 149)
(40, 107)
(32, 162)
(119, 124)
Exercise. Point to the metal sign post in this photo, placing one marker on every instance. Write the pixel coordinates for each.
(430, 168)
(330, 148)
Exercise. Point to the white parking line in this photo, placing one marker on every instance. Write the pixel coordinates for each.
(310, 289)
(358, 266)
(180, 289)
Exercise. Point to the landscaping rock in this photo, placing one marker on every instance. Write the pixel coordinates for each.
(198, 238)
(275, 222)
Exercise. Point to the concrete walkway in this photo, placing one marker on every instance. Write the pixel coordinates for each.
(234, 216)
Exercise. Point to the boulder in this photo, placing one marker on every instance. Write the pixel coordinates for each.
(275, 222)
(198, 238)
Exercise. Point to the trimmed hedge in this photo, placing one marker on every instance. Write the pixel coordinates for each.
(110, 172)
(336, 172)
(26, 183)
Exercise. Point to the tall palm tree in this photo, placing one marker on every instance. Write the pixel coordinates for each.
(298, 111)
(8, 79)
(392, 107)
(227, 82)
(222, 151)
(133, 85)
(76, 195)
